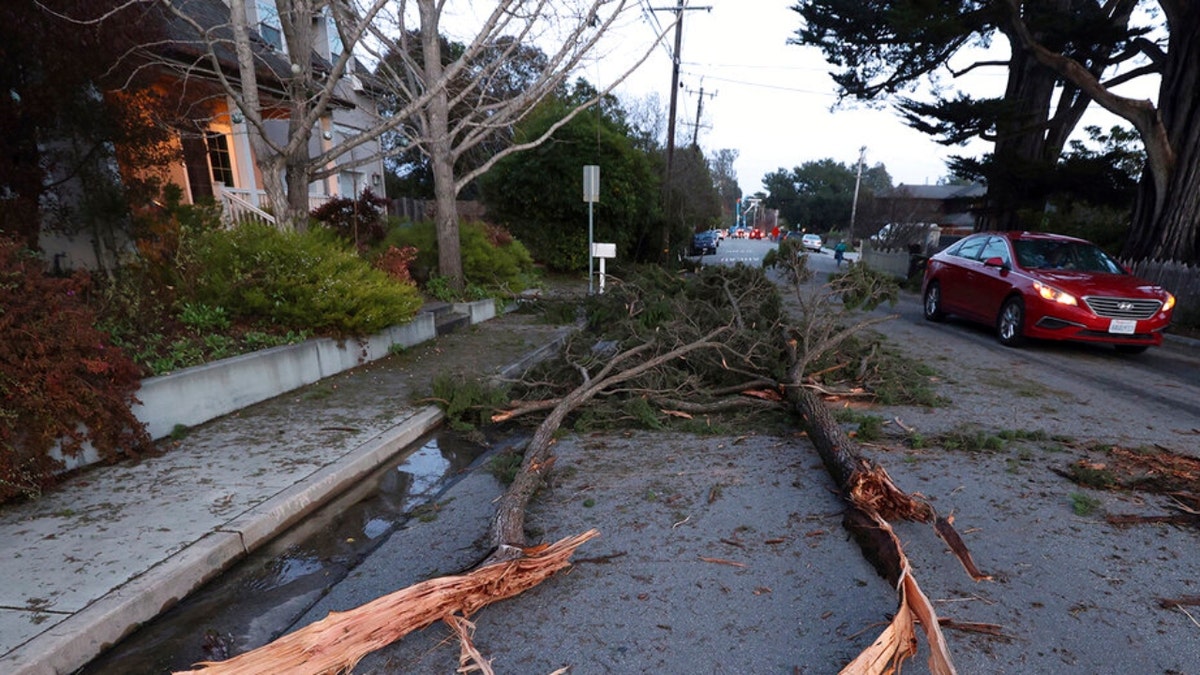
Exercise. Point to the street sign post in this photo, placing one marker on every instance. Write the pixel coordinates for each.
(591, 195)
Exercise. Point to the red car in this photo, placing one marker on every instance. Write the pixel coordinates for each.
(756, 234)
(1047, 286)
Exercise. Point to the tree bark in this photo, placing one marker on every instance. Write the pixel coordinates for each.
(441, 158)
(1167, 211)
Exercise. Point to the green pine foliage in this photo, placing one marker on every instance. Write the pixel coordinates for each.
(61, 380)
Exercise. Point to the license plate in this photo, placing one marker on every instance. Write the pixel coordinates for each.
(1123, 326)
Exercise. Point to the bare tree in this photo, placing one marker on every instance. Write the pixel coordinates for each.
(402, 41)
(577, 28)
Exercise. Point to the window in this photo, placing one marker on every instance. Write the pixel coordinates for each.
(335, 39)
(970, 247)
(268, 23)
(219, 159)
(996, 248)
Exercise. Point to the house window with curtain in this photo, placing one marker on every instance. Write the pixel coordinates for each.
(219, 159)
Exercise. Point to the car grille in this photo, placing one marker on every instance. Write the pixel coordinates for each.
(1123, 308)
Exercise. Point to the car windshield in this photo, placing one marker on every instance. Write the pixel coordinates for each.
(1048, 254)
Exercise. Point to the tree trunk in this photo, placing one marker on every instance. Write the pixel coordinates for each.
(441, 158)
(1021, 154)
(1167, 211)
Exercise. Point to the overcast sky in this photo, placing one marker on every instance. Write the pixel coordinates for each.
(774, 102)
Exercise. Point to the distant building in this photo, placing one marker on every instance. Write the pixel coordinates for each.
(952, 208)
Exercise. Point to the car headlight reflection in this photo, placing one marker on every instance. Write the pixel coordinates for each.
(1053, 294)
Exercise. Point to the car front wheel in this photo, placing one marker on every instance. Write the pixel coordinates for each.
(933, 302)
(1011, 323)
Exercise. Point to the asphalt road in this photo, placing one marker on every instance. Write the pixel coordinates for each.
(1161, 384)
(725, 554)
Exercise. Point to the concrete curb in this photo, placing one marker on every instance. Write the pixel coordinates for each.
(81, 637)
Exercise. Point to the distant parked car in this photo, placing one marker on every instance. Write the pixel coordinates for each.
(811, 242)
(756, 234)
(704, 243)
(1036, 285)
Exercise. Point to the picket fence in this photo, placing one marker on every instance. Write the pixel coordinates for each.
(1181, 279)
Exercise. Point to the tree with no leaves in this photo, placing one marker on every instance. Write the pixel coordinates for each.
(404, 42)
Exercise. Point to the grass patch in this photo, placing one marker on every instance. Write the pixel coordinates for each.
(971, 440)
(870, 428)
(318, 392)
(1092, 475)
(505, 466)
(1084, 504)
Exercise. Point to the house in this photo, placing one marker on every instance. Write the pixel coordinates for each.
(218, 160)
(952, 208)
(211, 145)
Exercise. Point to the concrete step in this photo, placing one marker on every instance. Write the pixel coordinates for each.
(445, 317)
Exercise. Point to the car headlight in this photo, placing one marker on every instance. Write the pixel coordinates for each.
(1053, 294)
(1169, 304)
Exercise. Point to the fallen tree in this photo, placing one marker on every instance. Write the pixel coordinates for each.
(873, 499)
(338, 642)
(656, 348)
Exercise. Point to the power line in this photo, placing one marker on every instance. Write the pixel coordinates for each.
(764, 86)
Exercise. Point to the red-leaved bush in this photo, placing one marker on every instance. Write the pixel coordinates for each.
(397, 262)
(60, 379)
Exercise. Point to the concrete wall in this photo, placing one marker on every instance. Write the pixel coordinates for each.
(196, 395)
(893, 263)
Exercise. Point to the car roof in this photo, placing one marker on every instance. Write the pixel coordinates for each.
(1020, 235)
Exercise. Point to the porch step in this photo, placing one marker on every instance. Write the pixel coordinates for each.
(445, 319)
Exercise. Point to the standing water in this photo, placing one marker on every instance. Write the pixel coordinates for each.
(260, 597)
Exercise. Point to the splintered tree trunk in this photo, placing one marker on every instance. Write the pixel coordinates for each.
(873, 498)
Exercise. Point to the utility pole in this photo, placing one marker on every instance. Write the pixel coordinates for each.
(675, 60)
(862, 153)
(699, 108)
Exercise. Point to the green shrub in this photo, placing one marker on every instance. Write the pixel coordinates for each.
(60, 378)
(307, 280)
(491, 258)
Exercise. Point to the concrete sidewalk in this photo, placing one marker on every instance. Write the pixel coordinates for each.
(113, 547)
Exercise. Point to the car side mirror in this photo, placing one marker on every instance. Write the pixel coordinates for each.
(995, 261)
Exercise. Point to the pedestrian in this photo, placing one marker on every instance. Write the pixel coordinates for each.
(775, 233)
(839, 252)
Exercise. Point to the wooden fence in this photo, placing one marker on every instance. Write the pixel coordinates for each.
(1181, 279)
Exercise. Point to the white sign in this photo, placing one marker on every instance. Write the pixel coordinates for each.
(604, 250)
(591, 183)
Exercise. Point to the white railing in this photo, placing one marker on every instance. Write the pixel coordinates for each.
(240, 205)
(237, 209)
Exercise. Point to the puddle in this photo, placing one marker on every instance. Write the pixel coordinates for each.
(260, 597)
